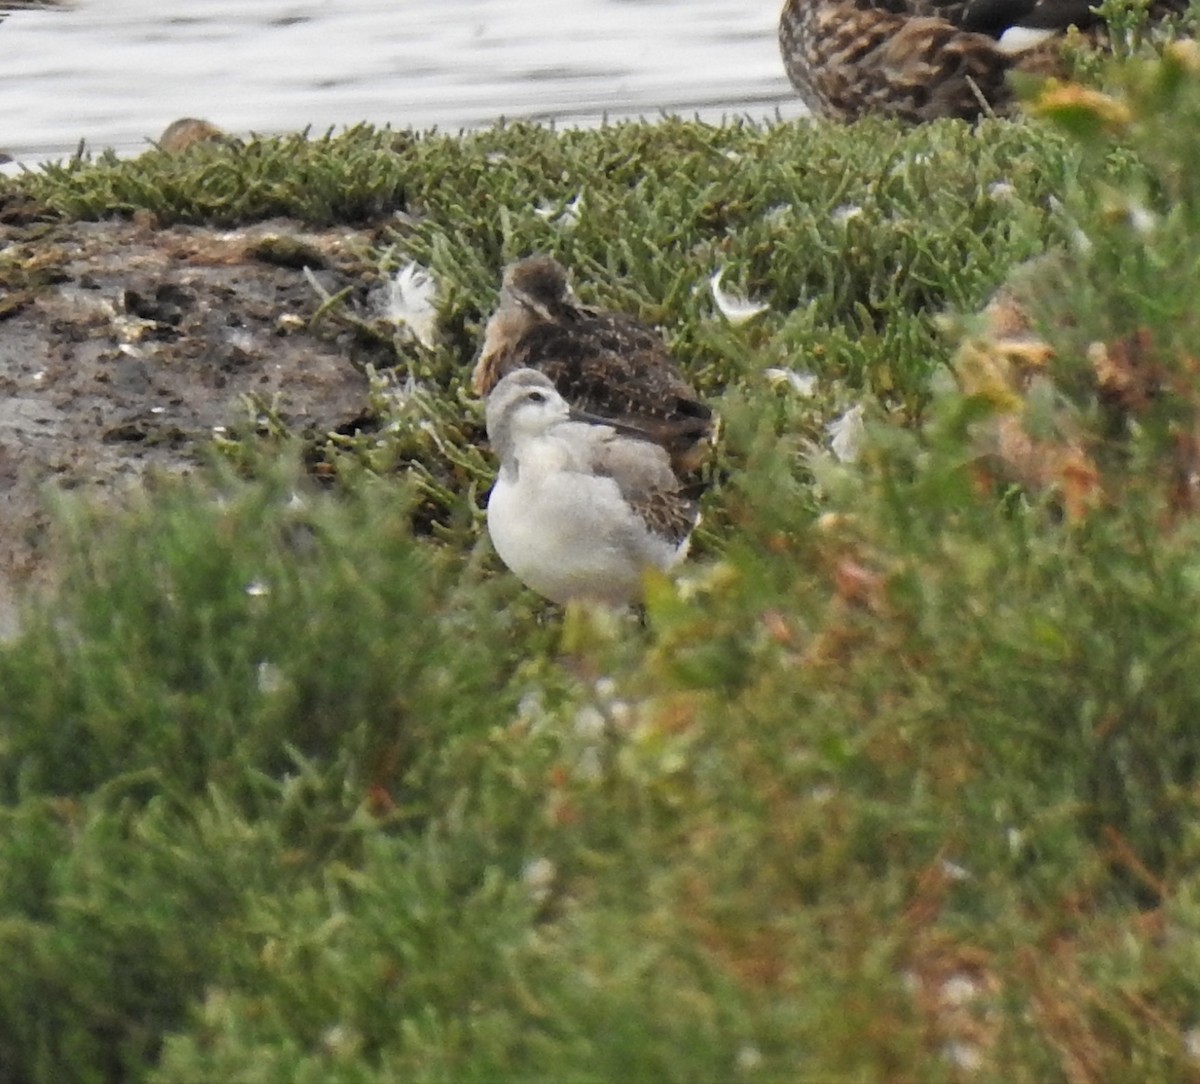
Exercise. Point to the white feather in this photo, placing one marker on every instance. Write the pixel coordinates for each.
(1016, 39)
(846, 435)
(565, 217)
(410, 302)
(735, 309)
(803, 384)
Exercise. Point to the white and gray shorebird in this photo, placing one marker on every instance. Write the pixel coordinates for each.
(582, 508)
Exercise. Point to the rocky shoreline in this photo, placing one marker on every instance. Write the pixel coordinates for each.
(124, 348)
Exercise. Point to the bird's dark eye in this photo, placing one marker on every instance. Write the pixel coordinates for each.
(537, 396)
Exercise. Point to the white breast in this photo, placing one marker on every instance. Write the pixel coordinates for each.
(569, 534)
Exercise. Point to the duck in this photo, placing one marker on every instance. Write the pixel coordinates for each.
(924, 60)
(608, 364)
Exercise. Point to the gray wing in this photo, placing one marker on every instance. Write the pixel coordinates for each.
(642, 471)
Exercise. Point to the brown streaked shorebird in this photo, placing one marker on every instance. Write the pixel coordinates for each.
(186, 132)
(605, 363)
(921, 60)
(580, 509)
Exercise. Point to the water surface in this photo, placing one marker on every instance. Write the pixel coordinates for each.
(115, 72)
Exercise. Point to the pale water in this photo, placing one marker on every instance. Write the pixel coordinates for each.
(115, 72)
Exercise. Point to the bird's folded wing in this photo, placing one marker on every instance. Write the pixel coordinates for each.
(642, 472)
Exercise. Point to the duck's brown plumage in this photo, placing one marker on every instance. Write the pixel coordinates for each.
(922, 60)
(605, 363)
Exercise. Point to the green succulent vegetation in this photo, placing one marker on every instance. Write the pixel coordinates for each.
(898, 780)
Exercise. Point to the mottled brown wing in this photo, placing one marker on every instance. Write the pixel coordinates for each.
(921, 60)
(950, 10)
(620, 370)
(847, 62)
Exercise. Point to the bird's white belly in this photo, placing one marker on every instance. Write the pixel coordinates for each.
(570, 535)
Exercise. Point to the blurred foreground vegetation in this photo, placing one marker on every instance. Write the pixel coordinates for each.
(898, 781)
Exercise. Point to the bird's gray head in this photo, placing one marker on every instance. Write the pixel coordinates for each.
(537, 282)
(524, 404)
